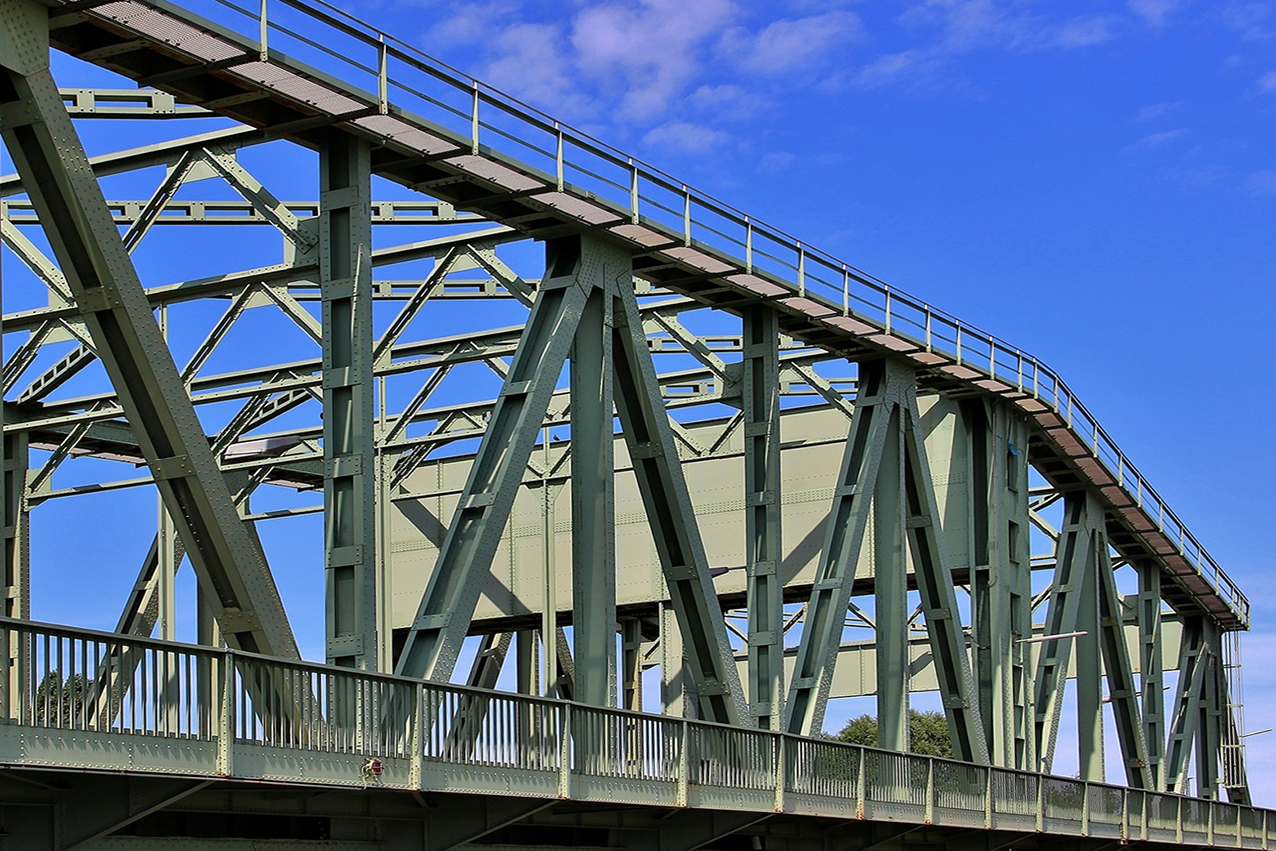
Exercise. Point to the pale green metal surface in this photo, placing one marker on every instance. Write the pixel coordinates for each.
(432, 736)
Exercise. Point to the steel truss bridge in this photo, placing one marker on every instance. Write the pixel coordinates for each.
(674, 473)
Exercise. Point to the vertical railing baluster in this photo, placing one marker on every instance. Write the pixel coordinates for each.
(263, 34)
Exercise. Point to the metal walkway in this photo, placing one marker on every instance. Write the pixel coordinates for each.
(108, 703)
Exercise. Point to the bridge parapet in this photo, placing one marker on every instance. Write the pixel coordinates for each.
(108, 702)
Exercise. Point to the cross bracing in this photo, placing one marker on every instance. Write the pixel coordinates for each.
(437, 456)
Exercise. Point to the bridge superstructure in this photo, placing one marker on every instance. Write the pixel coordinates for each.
(693, 520)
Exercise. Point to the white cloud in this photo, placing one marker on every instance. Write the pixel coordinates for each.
(685, 137)
(1082, 32)
(530, 63)
(655, 48)
(1267, 82)
(792, 44)
(1156, 140)
(1157, 110)
(1262, 182)
(1153, 11)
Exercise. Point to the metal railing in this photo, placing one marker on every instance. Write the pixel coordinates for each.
(340, 65)
(80, 699)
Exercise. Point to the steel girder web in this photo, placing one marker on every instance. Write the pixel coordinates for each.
(36, 129)
(885, 416)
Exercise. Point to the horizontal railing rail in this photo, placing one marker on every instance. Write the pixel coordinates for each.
(69, 684)
(346, 67)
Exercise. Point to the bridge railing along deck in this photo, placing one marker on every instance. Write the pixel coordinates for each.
(312, 53)
(93, 700)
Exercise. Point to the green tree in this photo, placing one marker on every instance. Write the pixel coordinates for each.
(927, 733)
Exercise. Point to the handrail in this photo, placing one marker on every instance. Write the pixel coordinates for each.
(226, 704)
(468, 113)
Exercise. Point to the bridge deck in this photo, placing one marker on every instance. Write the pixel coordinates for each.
(106, 702)
(303, 70)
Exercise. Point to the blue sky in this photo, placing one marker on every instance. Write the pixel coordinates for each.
(1093, 182)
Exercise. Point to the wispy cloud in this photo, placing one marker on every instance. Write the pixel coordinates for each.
(1255, 21)
(1155, 12)
(1262, 182)
(948, 29)
(1157, 110)
(1156, 140)
(1267, 82)
(634, 61)
(685, 137)
(791, 43)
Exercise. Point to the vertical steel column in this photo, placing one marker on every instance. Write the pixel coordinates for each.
(887, 405)
(593, 500)
(763, 550)
(1011, 597)
(56, 173)
(575, 267)
(349, 480)
(677, 692)
(1151, 676)
(890, 590)
(1089, 673)
(631, 649)
(1001, 580)
(15, 518)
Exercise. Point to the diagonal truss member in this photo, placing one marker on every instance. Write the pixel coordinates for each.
(38, 133)
(885, 426)
(586, 281)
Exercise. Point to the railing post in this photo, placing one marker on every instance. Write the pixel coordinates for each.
(416, 765)
(264, 33)
(861, 787)
(1178, 822)
(988, 797)
(681, 788)
(778, 754)
(1266, 842)
(6, 676)
(1209, 822)
(383, 76)
(1125, 815)
(929, 815)
(474, 120)
(1085, 808)
(226, 719)
(565, 753)
(1041, 803)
